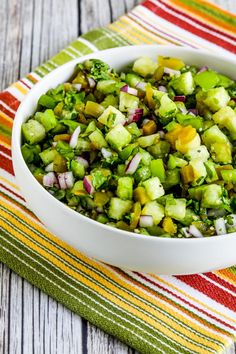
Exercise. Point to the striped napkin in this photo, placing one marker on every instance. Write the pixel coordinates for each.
(153, 314)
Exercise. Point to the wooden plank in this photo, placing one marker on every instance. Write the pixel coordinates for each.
(30, 33)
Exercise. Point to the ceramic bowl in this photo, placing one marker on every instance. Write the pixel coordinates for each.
(120, 248)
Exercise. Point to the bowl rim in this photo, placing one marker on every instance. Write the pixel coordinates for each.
(16, 145)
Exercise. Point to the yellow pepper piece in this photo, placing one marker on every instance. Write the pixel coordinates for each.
(123, 226)
(172, 63)
(158, 73)
(172, 136)
(169, 226)
(140, 195)
(149, 97)
(187, 174)
(93, 109)
(63, 137)
(149, 128)
(135, 215)
(58, 108)
(187, 134)
(100, 199)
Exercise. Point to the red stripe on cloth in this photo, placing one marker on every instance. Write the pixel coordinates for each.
(187, 26)
(9, 100)
(24, 83)
(186, 302)
(203, 24)
(6, 111)
(5, 150)
(5, 164)
(9, 190)
(209, 289)
(221, 281)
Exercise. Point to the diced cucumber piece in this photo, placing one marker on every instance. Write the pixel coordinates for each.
(132, 79)
(199, 170)
(108, 86)
(160, 149)
(158, 169)
(30, 152)
(125, 188)
(110, 100)
(97, 139)
(229, 176)
(166, 110)
(33, 131)
(155, 210)
(221, 152)
(212, 196)
(226, 117)
(90, 128)
(200, 153)
(197, 192)
(148, 140)
(118, 208)
(127, 101)
(172, 178)
(145, 157)
(144, 66)
(175, 161)
(142, 173)
(133, 129)
(188, 119)
(77, 169)
(93, 109)
(47, 101)
(184, 84)
(111, 117)
(127, 151)
(211, 172)
(214, 135)
(154, 188)
(190, 216)
(216, 98)
(118, 137)
(48, 155)
(175, 208)
(47, 119)
(207, 79)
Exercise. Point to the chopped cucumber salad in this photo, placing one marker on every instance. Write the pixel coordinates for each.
(150, 150)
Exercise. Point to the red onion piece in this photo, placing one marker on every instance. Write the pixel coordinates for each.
(183, 110)
(161, 133)
(193, 230)
(186, 232)
(74, 137)
(220, 226)
(69, 179)
(82, 161)
(204, 68)
(171, 71)
(88, 185)
(54, 144)
(146, 221)
(77, 86)
(66, 180)
(106, 153)
(130, 90)
(92, 82)
(193, 111)
(162, 88)
(49, 179)
(49, 168)
(134, 115)
(133, 164)
(180, 98)
(141, 85)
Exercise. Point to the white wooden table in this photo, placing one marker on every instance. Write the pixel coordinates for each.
(31, 31)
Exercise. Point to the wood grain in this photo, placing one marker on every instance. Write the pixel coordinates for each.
(31, 31)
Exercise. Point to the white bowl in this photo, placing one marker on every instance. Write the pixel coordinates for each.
(107, 244)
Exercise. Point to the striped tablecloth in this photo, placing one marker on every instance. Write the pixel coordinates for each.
(153, 314)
